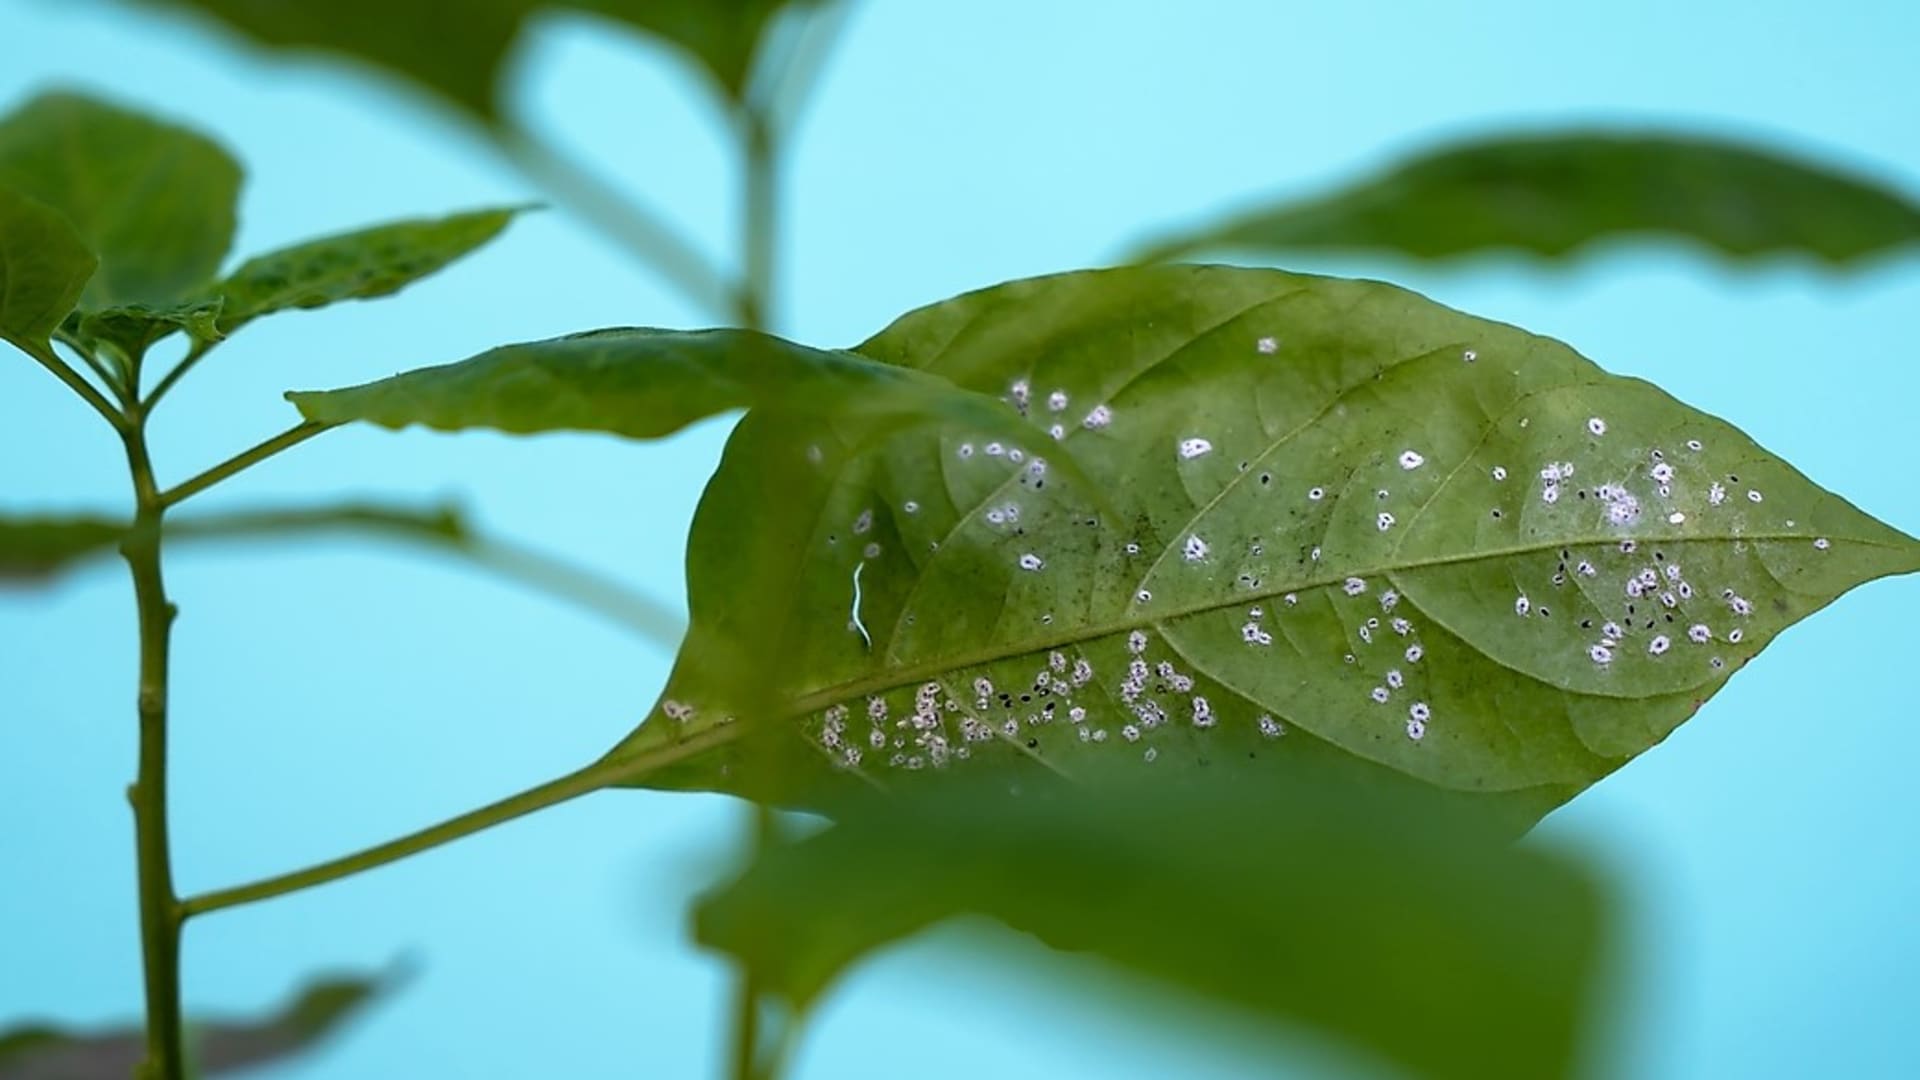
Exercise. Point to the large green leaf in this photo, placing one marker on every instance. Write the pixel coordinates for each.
(44, 266)
(1555, 195)
(359, 265)
(1330, 509)
(153, 201)
(460, 50)
(1376, 921)
(43, 1052)
(639, 383)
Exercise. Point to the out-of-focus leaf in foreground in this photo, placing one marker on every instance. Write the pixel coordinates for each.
(1384, 921)
(1557, 195)
(153, 201)
(460, 51)
(217, 1047)
(1321, 519)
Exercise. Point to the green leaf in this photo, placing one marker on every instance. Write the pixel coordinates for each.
(39, 547)
(470, 43)
(132, 329)
(1372, 920)
(1316, 506)
(155, 202)
(42, 1052)
(44, 266)
(358, 265)
(1557, 195)
(640, 383)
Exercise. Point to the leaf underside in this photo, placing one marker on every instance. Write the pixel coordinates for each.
(1556, 195)
(1410, 937)
(472, 42)
(1322, 522)
(44, 266)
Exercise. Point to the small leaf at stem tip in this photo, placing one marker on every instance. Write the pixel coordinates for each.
(1556, 195)
(1321, 520)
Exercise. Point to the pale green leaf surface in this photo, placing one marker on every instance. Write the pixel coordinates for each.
(471, 41)
(44, 266)
(358, 265)
(219, 1047)
(153, 201)
(1557, 195)
(1482, 636)
(1409, 936)
(638, 383)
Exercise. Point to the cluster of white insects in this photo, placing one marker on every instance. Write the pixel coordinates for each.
(1630, 602)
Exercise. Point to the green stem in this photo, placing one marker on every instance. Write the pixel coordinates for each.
(618, 216)
(78, 384)
(607, 772)
(243, 461)
(160, 912)
(761, 211)
(746, 1028)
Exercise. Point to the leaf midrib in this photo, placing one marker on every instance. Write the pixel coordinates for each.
(897, 677)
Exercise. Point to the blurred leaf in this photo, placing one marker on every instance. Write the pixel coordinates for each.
(639, 383)
(358, 265)
(1555, 195)
(1328, 516)
(133, 328)
(155, 202)
(39, 1052)
(40, 547)
(460, 50)
(1378, 921)
(44, 265)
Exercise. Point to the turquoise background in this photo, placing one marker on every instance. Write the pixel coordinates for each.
(335, 693)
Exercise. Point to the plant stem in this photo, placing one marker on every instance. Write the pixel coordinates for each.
(160, 912)
(242, 461)
(51, 361)
(606, 772)
(761, 210)
(620, 217)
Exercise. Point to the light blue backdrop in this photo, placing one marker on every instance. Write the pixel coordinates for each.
(336, 694)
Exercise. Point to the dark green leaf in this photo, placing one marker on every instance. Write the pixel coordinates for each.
(358, 265)
(39, 1052)
(1555, 195)
(44, 266)
(36, 548)
(132, 329)
(634, 382)
(460, 51)
(40, 547)
(1376, 920)
(1316, 506)
(155, 202)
